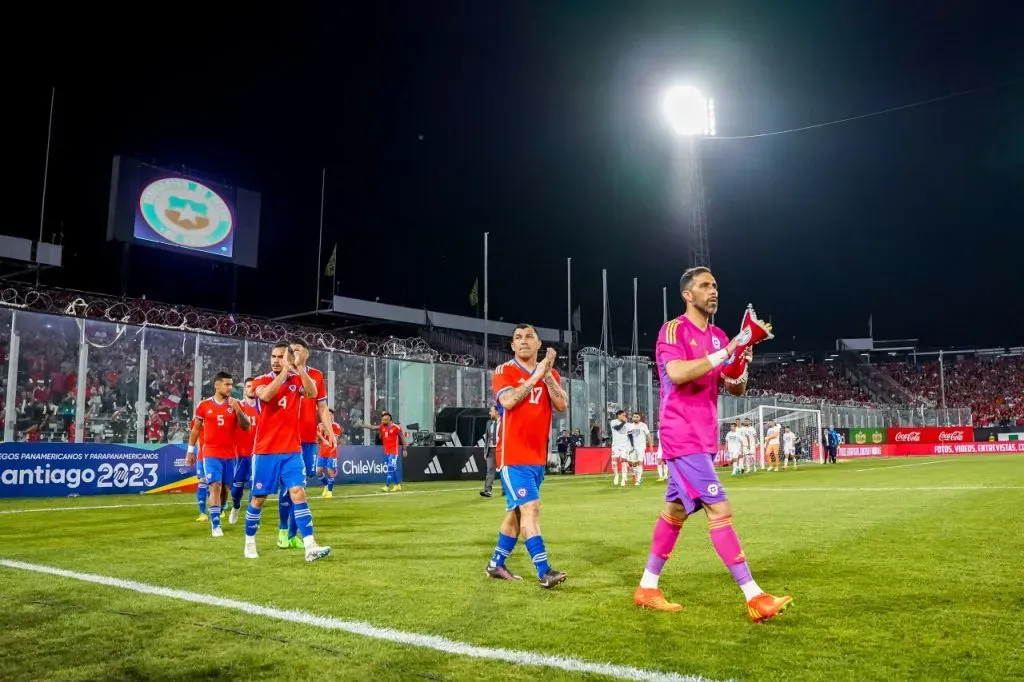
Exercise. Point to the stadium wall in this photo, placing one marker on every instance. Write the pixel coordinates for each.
(73, 469)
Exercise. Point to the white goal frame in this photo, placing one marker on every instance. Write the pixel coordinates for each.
(766, 413)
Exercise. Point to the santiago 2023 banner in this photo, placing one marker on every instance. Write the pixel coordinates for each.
(67, 469)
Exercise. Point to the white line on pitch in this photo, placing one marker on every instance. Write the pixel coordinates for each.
(915, 464)
(435, 642)
(829, 489)
(272, 499)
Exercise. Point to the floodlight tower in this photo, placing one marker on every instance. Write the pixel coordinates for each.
(692, 117)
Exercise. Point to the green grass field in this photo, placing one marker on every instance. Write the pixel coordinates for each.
(905, 569)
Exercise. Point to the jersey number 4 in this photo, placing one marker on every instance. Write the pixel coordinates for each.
(535, 395)
(283, 402)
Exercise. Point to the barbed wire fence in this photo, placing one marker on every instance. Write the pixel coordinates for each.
(145, 313)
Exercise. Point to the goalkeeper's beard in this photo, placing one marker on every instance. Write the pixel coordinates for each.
(707, 309)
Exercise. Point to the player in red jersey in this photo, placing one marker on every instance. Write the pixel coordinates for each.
(327, 458)
(277, 451)
(313, 416)
(220, 418)
(527, 391)
(393, 440)
(243, 449)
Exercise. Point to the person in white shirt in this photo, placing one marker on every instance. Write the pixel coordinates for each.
(641, 436)
(620, 446)
(788, 447)
(749, 444)
(734, 445)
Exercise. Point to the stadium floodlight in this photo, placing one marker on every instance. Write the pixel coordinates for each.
(689, 112)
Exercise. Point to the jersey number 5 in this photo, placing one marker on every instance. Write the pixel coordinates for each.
(220, 420)
(535, 395)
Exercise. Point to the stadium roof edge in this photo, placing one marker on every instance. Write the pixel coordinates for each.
(343, 305)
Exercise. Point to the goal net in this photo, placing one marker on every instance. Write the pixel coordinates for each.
(805, 424)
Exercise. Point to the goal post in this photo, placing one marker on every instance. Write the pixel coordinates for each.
(805, 423)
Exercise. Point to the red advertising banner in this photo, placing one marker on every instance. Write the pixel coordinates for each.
(599, 460)
(930, 434)
(930, 449)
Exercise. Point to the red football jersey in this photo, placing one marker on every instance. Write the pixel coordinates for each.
(308, 414)
(278, 430)
(389, 437)
(326, 451)
(246, 439)
(219, 428)
(526, 428)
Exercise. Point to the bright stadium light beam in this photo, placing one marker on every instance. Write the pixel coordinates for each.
(689, 112)
(691, 116)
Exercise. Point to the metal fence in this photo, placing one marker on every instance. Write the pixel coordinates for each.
(85, 380)
(70, 378)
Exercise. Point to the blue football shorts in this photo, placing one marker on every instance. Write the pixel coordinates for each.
(310, 451)
(243, 469)
(521, 483)
(271, 471)
(327, 463)
(219, 470)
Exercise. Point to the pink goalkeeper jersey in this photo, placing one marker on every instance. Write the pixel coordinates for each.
(689, 413)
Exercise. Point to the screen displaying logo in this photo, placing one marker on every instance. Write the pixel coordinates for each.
(185, 213)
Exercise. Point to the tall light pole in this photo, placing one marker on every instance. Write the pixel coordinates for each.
(691, 116)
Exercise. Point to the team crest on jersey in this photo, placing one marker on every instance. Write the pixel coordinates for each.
(230, 409)
(521, 492)
(291, 387)
(716, 342)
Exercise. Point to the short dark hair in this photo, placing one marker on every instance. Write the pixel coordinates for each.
(221, 376)
(282, 344)
(618, 412)
(687, 279)
(248, 379)
(523, 325)
(299, 342)
(386, 414)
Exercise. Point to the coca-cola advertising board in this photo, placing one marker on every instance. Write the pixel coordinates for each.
(922, 435)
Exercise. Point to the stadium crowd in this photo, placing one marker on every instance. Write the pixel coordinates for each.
(992, 388)
(817, 381)
(48, 366)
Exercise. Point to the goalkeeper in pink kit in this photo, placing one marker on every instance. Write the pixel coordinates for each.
(691, 357)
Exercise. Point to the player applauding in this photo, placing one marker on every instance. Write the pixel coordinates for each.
(690, 356)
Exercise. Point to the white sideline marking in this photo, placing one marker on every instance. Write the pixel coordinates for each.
(915, 464)
(435, 642)
(270, 498)
(826, 489)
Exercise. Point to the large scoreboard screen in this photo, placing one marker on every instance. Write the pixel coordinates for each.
(157, 207)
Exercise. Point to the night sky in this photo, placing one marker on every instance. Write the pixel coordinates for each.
(540, 124)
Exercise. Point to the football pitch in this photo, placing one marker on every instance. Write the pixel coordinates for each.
(902, 569)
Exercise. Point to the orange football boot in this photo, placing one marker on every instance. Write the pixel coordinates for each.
(765, 606)
(652, 598)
